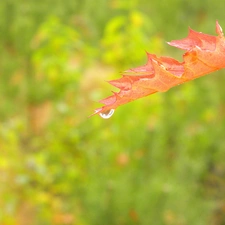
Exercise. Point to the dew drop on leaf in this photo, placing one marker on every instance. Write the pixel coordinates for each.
(107, 114)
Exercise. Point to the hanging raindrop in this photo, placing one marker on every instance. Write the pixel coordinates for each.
(107, 114)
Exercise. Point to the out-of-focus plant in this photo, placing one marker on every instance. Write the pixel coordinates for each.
(127, 36)
(57, 60)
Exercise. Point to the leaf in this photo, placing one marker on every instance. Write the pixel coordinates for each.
(204, 54)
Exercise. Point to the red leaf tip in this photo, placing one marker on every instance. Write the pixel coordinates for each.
(219, 29)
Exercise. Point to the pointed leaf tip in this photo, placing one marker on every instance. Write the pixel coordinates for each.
(219, 29)
(122, 83)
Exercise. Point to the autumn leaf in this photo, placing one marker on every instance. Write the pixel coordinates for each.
(204, 54)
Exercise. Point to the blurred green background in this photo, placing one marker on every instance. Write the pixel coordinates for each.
(158, 160)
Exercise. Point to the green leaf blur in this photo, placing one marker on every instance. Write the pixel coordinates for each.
(158, 160)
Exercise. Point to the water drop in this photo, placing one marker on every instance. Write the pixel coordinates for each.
(107, 114)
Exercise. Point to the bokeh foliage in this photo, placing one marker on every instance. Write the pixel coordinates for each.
(159, 160)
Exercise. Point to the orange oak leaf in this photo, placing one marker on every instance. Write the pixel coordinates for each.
(204, 54)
